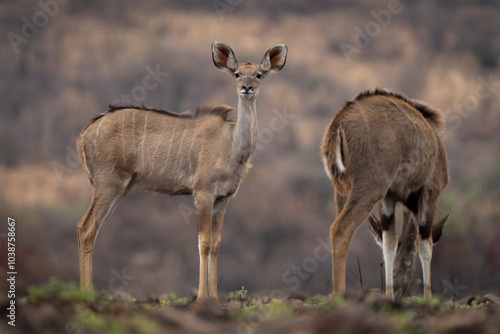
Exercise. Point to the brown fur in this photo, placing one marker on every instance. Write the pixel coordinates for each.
(205, 154)
(384, 148)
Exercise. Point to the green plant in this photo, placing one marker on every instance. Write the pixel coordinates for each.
(66, 292)
(98, 322)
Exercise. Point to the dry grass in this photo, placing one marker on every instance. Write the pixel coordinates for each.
(32, 187)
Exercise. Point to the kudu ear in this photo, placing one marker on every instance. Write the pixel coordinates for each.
(274, 59)
(437, 228)
(376, 229)
(223, 57)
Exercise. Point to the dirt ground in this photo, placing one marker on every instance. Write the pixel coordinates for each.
(369, 313)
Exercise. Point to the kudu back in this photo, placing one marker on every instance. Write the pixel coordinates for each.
(380, 149)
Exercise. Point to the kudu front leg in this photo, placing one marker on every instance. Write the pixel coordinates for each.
(204, 209)
(425, 254)
(426, 210)
(219, 212)
(389, 243)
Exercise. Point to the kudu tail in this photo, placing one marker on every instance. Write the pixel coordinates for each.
(80, 146)
(333, 152)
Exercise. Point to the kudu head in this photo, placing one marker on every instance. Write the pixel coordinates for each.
(408, 244)
(248, 75)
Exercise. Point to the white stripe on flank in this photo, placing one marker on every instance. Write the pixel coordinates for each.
(338, 155)
(189, 153)
(157, 147)
(97, 131)
(182, 141)
(144, 137)
(123, 137)
(170, 145)
(133, 131)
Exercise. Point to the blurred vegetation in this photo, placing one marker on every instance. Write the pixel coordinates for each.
(91, 53)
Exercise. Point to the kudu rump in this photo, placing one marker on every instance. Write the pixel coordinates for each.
(384, 148)
(205, 154)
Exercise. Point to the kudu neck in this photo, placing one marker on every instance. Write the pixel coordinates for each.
(245, 130)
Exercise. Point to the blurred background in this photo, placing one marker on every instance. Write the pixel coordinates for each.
(64, 62)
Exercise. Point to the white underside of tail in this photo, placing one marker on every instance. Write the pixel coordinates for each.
(338, 154)
(327, 170)
(338, 159)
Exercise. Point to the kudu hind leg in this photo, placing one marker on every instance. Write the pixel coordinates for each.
(101, 207)
(357, 208)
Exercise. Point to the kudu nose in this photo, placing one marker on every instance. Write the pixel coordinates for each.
(247, 88)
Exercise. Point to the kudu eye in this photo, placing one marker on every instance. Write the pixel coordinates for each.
(258, 76)
(236, 75)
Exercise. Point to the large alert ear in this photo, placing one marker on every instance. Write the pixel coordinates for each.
(437, 228)
(223, 57)
(376, 229)
(274, 59)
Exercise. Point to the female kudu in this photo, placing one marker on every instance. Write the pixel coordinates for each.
(205, 155)
(382, 147)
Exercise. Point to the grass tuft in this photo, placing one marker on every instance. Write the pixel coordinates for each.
(65, 292)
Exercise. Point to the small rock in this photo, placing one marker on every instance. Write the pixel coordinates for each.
(468, 300)
(492, 299)
(122, 295)
(233, 306)
(297, 304)
(297, 295)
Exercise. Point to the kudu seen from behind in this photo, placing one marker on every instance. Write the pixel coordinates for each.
(381, 149)
(205, 154)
